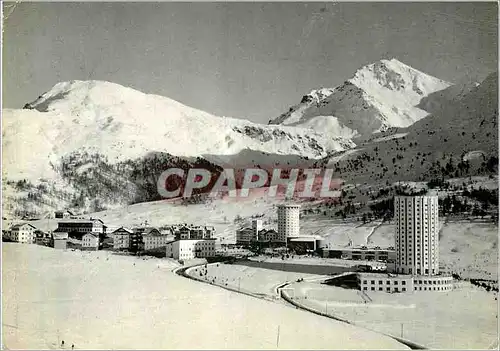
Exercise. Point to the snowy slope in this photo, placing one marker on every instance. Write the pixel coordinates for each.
(380, 95)
(122, 123)
(329, 125)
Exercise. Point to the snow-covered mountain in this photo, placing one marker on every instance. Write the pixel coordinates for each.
(122, 123)
(380, 95)
(459, 140)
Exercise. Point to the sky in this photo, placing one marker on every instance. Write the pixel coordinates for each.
(244, 60)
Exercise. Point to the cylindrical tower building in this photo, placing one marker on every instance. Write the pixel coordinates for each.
(288, 222)
(417, 235)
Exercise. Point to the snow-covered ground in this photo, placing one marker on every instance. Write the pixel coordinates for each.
(104, 301)
(463, 318)
(351, 236)
(470, 249)
(250, 279)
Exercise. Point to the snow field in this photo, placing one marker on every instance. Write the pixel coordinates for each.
(465, 317)
(96, 303)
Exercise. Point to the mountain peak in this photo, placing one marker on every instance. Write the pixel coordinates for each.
(395, 75)
(78, 92)
(380, 95)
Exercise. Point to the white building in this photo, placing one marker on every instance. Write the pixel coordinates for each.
(256, 227)
(23, 233)
(417, 235)
(90, 241)
(288, 222)
(189, 249)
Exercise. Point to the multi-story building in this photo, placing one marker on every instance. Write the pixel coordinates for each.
(23, 233)
(90, 241)
(121, 238)
(288, 222)
(192, 232)
(417, 243)
(245, 236)
(77, 228)
(153, 239)
(189, 249)
(417, 235)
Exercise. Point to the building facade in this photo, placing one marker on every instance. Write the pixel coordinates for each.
(23, 233)
(59, 241)
(121, 238)
(194, 232)
(417, 235)
(90, 241)
(154, 240)
(245, 236)
(190, 249)
(402, 283)
(288, 222)
(268, 235)
(362, 254)
(77, 228)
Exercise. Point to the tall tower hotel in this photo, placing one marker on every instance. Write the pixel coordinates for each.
(417, 235)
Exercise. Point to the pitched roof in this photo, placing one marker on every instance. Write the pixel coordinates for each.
(130, 231)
